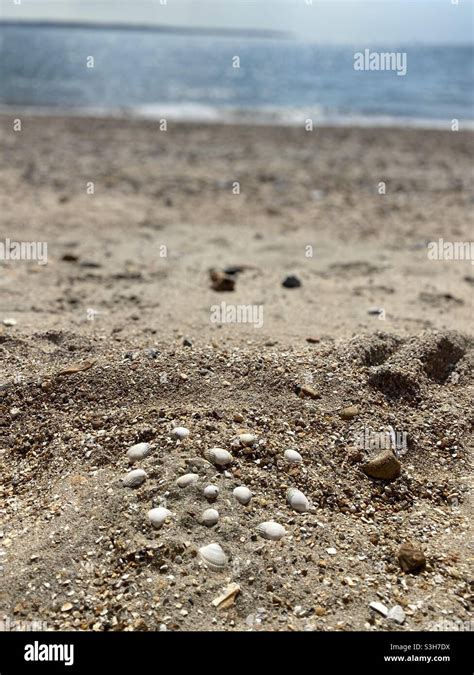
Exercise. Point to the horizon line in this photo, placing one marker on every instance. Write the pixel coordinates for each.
(215, 31)
(158, 28)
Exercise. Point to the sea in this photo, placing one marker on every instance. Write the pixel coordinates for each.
(233, 78)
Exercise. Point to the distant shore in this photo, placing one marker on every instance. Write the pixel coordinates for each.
(195, 113)
(150, 28)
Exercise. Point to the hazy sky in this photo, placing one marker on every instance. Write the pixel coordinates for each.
(364, 22)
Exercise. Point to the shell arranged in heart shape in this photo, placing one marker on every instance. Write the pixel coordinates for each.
(271, 530)
(213, 556)
(180, 433)
(187, 479)
(138, 451)
(158, 516)
(242, 494)
(218, 456)
(293, 457)
(210, 517)
(297, 500)
(210, 492)
(247, 439)
(134, 478)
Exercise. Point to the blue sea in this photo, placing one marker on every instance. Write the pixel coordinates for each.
(189, 76)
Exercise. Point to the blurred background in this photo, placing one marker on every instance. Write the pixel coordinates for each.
(175, 59)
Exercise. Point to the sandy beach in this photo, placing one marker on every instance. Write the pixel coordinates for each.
(115, 342)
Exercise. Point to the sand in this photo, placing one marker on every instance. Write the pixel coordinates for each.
(127, 281)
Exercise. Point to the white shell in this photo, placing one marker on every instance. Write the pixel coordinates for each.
(187, 479)
(134, 478)
(158, 516)
(218, 456)
(242, 494)
(271, 530)
(297, 500)
(293, 457)
(247, 439)
(213, 556)
(138, 451)
(180, 433)
(210, 517)
(210, 492)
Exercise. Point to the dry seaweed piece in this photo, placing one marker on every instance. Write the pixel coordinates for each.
(76, 368)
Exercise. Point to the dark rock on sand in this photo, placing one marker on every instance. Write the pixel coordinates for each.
(221, 281)
(291, 282)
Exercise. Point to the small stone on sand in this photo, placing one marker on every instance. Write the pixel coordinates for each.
(384, 465)
(411, 557)
(291, 281)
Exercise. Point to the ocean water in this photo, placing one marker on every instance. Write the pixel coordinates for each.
(158, 74)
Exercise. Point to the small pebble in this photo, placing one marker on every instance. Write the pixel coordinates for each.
(305, 391)
(411, 557)
(384, 466)
(396, 614)
(291, 281)
(349, 412)
(379, 608)
(221, 281)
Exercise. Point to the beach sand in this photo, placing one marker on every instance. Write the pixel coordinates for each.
(134, 218)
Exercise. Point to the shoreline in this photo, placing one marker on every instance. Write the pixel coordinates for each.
(202, 114)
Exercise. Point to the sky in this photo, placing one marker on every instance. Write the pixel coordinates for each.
(364, 22)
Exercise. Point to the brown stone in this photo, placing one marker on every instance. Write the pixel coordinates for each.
(411, 557)
(384, 465)
(222, 282)
(349, 412)
(305, 391)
